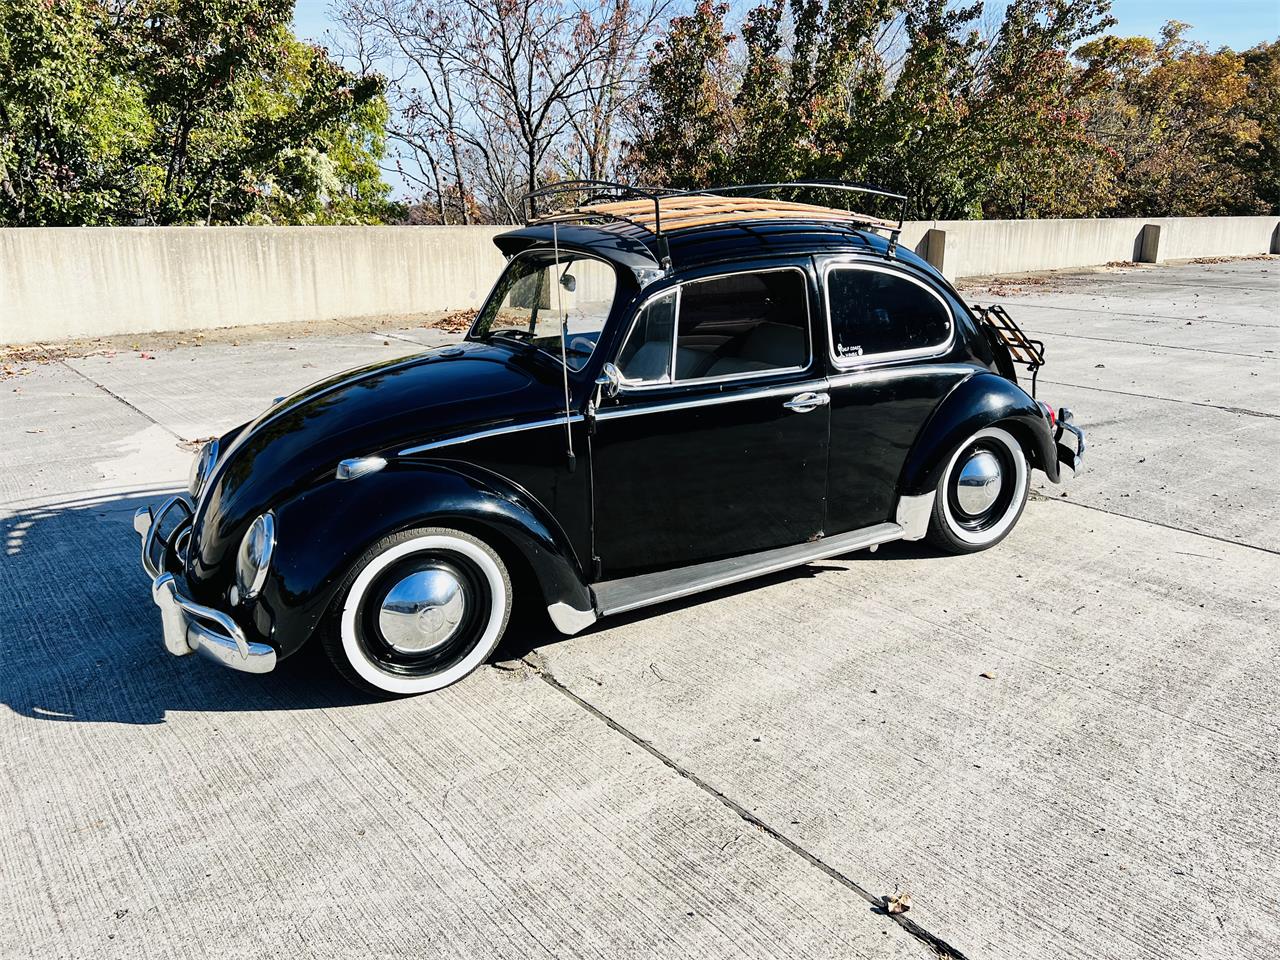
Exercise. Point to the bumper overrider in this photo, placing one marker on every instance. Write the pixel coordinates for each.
(190, 627)
(1073, 458)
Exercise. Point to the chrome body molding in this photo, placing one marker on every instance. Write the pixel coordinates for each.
(913, 515)
(783, 390)
(882, 374)
(358, 467)
(190, 627)
(491, 432)
(569, 620)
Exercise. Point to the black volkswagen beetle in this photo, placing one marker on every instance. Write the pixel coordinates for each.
(664, 393)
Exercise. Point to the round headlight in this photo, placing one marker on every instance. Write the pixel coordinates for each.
(254, 558)
(201, 468)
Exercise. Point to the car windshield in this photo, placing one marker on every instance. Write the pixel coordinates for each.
(538, 301)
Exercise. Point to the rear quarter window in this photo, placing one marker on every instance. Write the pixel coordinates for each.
(874, 312)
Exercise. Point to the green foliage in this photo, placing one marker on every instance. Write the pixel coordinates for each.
(163, 111)
(1039, 120)
(1183, 123)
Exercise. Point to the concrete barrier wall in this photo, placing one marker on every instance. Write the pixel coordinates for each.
(68, 282)
(986, 247)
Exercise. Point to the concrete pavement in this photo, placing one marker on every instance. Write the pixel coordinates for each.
(1063, 747)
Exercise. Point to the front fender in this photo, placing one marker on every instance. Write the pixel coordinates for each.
(982, 400)
(321, 532)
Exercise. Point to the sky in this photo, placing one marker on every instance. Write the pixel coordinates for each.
(1234, 23)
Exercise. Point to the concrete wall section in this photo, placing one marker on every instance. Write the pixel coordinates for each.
(57, 283)
(986, 247)
(68, 282)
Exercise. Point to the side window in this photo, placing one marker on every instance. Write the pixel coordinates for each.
(744, 323)
(877, 312)
(645, 357)
(741, 324)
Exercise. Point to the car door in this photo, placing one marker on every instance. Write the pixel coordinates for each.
(716, 445)
(891, 339)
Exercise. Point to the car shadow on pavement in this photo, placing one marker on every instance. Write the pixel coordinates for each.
(531, 629)
(80, 638)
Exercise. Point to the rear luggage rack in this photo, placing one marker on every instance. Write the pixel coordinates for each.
(1022, 349)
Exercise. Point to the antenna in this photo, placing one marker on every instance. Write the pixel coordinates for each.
(564, 335)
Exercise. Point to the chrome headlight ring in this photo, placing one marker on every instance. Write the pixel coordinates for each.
(253, 559)
(201, 468)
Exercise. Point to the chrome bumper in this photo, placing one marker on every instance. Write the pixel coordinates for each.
(1072, 458)
(190, 627)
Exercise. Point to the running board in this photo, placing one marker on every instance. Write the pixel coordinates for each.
(630, 593)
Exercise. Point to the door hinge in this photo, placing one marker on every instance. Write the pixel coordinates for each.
(597, 569)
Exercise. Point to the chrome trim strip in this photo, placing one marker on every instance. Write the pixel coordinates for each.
(570, 620)
(641, 386)
(873, 359)
(738, 568)
(882, 374)
(914, 514)
(492, 432)
(779, 391)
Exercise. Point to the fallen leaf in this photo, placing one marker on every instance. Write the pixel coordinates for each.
(146, 356)
(987, 676)
(898, 903)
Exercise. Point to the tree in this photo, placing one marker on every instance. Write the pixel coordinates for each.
(68, 122)
(1178, 118)
(162, 111)
(491, 97)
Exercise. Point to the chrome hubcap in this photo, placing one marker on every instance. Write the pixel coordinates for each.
(422, 611)
(979, 483)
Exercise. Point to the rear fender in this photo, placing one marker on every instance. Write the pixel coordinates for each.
(980, 401)
(320, 533)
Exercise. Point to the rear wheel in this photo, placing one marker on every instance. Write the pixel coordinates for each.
(981, 494)
(419, 610)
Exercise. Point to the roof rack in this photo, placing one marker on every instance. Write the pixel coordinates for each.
(662, 211)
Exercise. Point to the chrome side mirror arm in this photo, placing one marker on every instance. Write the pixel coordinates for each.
(609, 382)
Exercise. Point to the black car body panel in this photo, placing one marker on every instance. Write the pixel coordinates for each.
(476, 436)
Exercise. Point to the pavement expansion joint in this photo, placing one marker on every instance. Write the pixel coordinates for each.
(110, 393)
(939, 946)
(1036, 495)
(1150, 396)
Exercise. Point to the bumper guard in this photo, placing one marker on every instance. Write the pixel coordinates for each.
(190, 627)
(1072, 458)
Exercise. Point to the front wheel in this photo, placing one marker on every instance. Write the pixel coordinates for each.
(419, 610)
(981, 494)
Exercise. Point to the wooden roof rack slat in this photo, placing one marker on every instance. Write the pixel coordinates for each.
(661, 212)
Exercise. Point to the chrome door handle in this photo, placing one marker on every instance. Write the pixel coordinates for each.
(807, 402)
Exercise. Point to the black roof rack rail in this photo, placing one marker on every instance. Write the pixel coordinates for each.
(597, 191)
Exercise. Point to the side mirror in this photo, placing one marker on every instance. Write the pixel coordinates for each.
(569, 282)
(609, 381)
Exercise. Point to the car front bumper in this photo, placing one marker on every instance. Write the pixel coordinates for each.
(190, 627)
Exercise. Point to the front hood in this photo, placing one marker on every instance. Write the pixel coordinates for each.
(378, 409)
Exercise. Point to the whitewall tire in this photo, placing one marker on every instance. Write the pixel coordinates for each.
(419, 610)
(982, 492)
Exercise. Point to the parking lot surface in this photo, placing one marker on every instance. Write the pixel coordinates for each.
(1067, 746)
